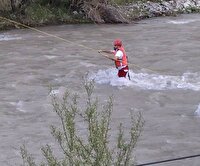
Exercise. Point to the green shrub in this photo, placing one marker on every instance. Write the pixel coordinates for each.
(39, 13)
(122, 2)
(54, 3)
(94, 148)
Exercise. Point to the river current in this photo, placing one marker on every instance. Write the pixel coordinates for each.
(165, 84)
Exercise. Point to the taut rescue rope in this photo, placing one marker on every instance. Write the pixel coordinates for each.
(65, 40)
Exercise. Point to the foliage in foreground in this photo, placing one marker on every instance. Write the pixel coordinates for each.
(94, 148)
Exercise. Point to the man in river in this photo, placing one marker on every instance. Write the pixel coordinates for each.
(118, 55)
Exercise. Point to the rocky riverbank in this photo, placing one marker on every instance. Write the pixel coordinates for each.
(163, 8)
(140, 10)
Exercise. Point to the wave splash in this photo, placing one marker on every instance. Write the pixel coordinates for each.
(197, 112)
(9, 37)
(187, 81)
(183, 21)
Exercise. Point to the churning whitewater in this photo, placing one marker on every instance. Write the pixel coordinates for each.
(6, 37)
(184, 21)
(149, 81)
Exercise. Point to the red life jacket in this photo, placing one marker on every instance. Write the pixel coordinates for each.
(120, 63)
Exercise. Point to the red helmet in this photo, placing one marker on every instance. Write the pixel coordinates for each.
(117, 42)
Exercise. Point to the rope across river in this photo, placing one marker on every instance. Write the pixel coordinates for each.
(68, 41)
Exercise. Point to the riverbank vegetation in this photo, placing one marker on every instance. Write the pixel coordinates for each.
(45, 12)
(84, 135)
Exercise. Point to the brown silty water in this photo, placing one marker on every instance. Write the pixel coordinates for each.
(165, 84)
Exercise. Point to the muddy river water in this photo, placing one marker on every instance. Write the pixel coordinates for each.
(164, 57)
